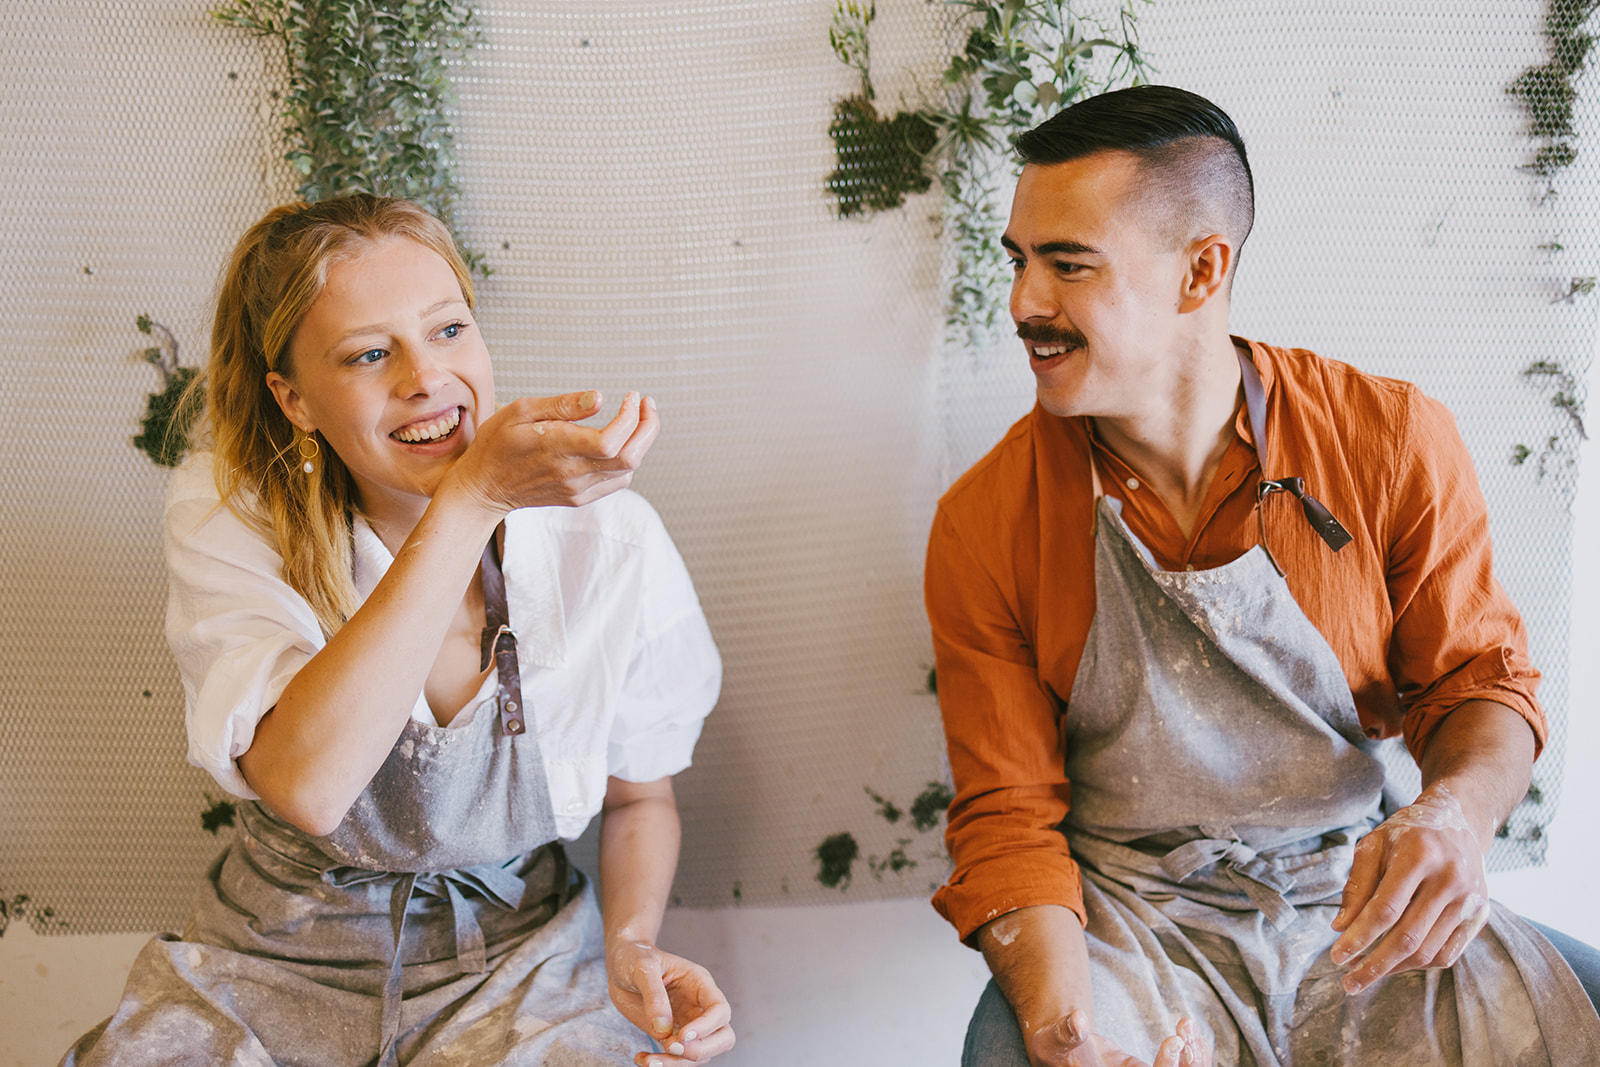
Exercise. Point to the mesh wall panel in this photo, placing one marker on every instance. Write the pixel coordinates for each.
(647, 182)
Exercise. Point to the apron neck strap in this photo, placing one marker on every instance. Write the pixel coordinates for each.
(500, 640)
(1255, 404)
(495, 615)
(1332, 532)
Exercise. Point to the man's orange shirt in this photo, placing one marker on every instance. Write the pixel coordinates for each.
(1411, 606)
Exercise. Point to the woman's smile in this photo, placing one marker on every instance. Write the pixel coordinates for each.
(430, 430)
(389, 368)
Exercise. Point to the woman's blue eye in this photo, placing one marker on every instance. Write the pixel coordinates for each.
(371, 355)
(450, 331)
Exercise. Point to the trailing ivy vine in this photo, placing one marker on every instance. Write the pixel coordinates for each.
(369, 103)
(1548, 94)
(1019, 62)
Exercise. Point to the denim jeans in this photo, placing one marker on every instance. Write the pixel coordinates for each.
(993, 1037)
(1583, 959)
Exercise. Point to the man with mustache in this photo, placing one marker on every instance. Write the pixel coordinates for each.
(1174, 610)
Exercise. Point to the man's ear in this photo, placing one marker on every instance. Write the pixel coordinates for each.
(1210, 261)
(290, 402)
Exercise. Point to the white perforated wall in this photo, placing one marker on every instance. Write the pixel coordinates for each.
(647, 181)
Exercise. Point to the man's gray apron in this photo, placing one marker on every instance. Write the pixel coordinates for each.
(1220, 780)
(405, 936)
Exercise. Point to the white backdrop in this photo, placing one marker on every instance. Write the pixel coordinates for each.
(647, 183)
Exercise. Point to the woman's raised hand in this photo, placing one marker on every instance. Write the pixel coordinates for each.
(533, 453)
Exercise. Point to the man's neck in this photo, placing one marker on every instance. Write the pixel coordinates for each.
(1177, 445)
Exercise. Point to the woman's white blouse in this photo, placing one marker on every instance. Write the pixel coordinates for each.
(618, 665)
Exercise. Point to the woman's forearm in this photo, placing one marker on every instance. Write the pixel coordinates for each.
(639, 834)
(338, 718)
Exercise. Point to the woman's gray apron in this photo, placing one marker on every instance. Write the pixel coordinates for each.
(1220, 781)
(405, 936)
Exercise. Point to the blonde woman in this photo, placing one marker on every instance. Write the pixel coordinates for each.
(425, 641)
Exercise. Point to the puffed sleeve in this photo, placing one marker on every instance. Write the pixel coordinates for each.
(674, 674)
(1004, 737)
(237, 630)
(1457, 636)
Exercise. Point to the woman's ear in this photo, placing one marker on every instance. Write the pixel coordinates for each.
(1210, 260)
(289, 401)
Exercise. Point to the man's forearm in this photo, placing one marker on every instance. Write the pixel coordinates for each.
(1040, 960)
(1482, 752)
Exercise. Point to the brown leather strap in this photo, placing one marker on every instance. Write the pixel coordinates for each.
(500, 641)
(1330, 529)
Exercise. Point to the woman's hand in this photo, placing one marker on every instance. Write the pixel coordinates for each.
(533, 453)
(1065, 1043)
(671, 999)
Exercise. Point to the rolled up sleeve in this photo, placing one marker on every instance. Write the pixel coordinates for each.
(673, 677)
(239, 633)
(1003, 732)
(1457, 636)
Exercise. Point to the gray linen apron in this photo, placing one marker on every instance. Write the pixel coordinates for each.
(405, 936)
(1220, 780)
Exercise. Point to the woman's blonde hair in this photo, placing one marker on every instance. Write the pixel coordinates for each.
(277, 272)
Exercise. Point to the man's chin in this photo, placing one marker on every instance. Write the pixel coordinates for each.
(1056, 402)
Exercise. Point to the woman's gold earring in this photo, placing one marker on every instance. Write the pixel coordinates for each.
(309, 450)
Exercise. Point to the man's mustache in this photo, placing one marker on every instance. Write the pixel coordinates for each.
(1045, 334)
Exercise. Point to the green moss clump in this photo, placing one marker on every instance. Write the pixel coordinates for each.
(834, 857)
(880, 161)
(168, 418)
(930, 805)
(219, 813)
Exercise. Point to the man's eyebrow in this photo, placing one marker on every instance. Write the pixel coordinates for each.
(1049, 248)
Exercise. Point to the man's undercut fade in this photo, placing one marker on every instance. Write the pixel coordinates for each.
(1190, 154)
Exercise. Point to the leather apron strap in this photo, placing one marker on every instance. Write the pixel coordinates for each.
(1330, 529)
(500, 641)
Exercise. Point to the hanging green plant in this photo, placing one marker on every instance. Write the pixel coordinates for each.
(369, 102)
(1020, 62)
(1565, 397)
(1547, 92)
(169, 414)
(880, 160)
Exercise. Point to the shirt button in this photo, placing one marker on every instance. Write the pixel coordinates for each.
(1188, 566)
(574, 806)
(1133, 483)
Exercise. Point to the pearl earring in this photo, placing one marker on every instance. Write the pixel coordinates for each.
(309, 450)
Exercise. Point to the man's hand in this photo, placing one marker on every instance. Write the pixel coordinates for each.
(1417, 893)
(1066, 1043)
(671, 999)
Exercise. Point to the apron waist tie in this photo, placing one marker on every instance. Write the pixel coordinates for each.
(1259, 879)
(494, 883)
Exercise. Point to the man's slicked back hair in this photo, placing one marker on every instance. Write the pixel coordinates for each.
(1187, 147)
